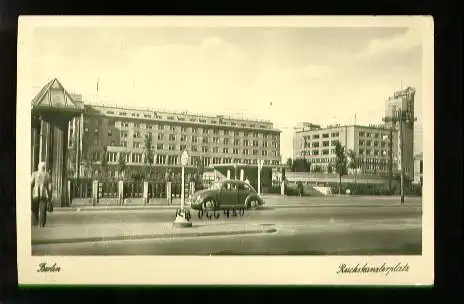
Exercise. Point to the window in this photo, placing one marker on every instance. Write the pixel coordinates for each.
(136, 134)
(265, 144)
(316, 136)
(264, 152)
(216, 140)
(245, 142)
(255, 143)
(204, 149)
(194, 148)
(226, 132)
(226, 141)
(216, 132)
(173, 129)
(183, 129)
(215, 150)
(255, 152)
(361, 142)
(124, 134)
(236, 133)
(194, 130)
(325, 143)
(96, 156)
(183, 147)
(112, 143)
(111, 157)
(255, 134)
(160, 136)
(124, 143)
(205, 140)
(225, 150)
(315, 145)
(194, 139)
(245, 134)
(172, 147)
(172, 137)
(236, 142)
(159, 146)
(235, 151)
(161, 127)
(274, 153)
(325, 135)
(245, 151)
(136, 145)
(136, 157)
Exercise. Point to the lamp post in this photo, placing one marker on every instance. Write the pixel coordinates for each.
(260, 165)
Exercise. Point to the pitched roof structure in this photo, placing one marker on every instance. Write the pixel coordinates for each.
(54, 96)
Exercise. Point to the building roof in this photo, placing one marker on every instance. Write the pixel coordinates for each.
(64, 101)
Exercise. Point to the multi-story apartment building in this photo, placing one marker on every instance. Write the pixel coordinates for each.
(370, 143)
(209, 140)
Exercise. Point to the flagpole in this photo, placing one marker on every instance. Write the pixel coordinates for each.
(98, 100)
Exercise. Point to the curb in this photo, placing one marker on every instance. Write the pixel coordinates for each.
(149, 236)
(267, 207)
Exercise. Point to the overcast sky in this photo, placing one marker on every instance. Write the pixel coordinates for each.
(320, 75)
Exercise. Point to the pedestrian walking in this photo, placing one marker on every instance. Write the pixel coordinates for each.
(41, 194)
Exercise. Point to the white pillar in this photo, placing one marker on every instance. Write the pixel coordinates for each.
(145, 192)
(242, 175)
(182, 194)
(228, 174)
(121, 192)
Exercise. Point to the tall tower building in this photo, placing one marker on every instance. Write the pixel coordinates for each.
(403, 100)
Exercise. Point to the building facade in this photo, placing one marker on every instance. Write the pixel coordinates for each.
(210, 140)
(370, 143)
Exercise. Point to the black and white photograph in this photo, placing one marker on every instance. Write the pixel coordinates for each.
(225, 150)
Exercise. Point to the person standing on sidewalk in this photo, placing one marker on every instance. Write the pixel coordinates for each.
(41, 194)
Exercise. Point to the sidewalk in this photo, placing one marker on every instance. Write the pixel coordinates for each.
(271, 201)
(138, 231)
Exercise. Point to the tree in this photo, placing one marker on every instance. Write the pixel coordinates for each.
(149, 152)
(122, 163)
(353, 163)
(104, 161)
(330, 168)
(340, 163)
(289, 163)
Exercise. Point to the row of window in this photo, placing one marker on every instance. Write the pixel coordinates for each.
(328, 160)
(154, 115)
(197, 130)
(138, 158)
(361, 152)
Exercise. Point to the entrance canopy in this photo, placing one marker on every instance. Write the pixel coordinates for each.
(53, 98)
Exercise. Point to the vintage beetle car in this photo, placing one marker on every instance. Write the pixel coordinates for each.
(226, 195)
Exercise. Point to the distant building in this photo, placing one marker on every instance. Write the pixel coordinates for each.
(370, 143)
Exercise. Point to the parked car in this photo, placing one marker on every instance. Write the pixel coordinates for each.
(226, 195)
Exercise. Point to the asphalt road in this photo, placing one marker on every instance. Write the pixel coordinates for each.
(314, 230)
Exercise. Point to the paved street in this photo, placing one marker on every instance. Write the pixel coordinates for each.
(303, 226)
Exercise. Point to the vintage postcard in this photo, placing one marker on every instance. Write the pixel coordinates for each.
(225, 150)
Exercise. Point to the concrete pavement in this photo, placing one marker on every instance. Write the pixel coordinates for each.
(137, 231)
